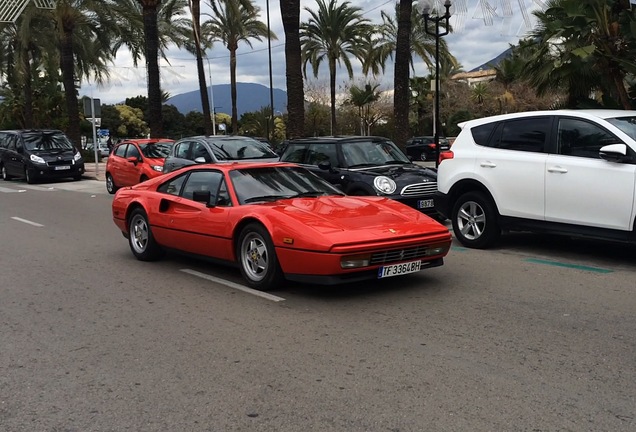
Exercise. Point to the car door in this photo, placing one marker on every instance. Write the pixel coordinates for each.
(179, 156)
(324, 152)
(117, 163)
(512, 166)
(130, 171)
(12, 158)
(580, 187)
(193, 226)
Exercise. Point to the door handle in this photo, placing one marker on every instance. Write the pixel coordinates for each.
(487, 164)
(557, 169)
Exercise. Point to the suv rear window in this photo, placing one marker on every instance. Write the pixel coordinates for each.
(482, 133)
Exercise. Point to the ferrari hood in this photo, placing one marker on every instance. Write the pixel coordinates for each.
(345, 219)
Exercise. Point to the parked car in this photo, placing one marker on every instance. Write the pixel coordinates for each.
(277, 221)
(102, 149)
(217, 148)
(36, 154)
(364, 165)
(423, 148)
(566, 172)
(135, 161)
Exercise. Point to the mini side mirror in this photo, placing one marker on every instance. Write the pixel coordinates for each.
(324, 165)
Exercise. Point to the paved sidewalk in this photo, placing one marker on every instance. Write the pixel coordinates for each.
(94, 173)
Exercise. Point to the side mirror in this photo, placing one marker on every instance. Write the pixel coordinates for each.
(133, 160)
(324, 165)
(200, 160)
(202, 197)
(613, 153)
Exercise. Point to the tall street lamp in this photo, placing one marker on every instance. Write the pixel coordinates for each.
(437, 19)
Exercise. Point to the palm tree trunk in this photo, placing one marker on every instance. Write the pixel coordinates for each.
(67, 65)
(290, 12)
(332, 90)
(28, 92)
(401, 75)
(233, 90)
(155, 116)
(205, 100)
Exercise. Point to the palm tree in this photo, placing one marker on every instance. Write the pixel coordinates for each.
(362, 98)
(234, 22)
(290, 13)
(405, 37)
(332, 33)
(198, 47)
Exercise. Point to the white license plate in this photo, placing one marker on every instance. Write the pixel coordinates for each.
(62, 167)
(399, 269)
(421, 204)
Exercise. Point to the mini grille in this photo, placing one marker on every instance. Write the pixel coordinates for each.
(399, 255)
(418, 189)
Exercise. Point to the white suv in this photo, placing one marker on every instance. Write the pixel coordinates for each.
(570, 172)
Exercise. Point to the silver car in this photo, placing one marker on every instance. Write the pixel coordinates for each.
(217, 148)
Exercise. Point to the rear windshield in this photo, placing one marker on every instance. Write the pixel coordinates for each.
(46, 140)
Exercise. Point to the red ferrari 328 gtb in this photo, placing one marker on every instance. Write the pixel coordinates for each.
(277, 221)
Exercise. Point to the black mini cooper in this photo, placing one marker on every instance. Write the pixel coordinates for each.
(366, 165)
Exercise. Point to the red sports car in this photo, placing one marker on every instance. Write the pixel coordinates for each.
(277, 221)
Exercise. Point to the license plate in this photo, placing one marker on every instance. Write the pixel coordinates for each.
(421, 204)
(399, 269)
(62, 167)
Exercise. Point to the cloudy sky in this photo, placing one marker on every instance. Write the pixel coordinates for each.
(483, 29)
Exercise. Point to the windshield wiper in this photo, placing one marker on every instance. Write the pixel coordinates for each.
(309, 194)
(265, 198)
(396, 162)
(360, 165)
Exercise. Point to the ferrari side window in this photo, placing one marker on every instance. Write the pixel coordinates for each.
(202, 181)
(173, 187)
(223, 198)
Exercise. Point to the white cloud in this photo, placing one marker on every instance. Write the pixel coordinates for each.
(473, 43)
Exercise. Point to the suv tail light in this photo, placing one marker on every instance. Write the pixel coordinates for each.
(448, 154)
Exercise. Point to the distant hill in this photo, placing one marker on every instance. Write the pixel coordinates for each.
(494, 62)
(250, 97)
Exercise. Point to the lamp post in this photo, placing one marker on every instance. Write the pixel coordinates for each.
(437, 19)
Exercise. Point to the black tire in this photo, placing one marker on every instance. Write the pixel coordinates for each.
(143, 179)
(142, 242)
(257, 258)
(423, 156)
(474, 219)
(110, 184)
(5, 174)
(28, 177)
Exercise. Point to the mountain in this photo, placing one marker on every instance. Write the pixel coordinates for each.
(250, 97)
(494, 62)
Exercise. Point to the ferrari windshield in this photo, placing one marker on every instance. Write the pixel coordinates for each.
(372, 153)
(273, 183)
(46, 140)
(156, 150)
(237, 148)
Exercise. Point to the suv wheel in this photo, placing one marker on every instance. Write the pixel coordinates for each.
(474, 220)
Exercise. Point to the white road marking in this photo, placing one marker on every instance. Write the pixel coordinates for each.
(234, 285)
(7, 190)
(27, 221)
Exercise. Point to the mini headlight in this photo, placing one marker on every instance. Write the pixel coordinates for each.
(157, 168)
(384, 185)
(37, 159)
(77, 156)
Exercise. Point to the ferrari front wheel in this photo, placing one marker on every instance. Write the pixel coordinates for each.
(142, 242)
(257, 258)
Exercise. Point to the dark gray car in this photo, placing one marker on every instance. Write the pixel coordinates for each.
(217, 148)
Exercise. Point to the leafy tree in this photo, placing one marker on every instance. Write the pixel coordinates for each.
(290, 14)
(332, 34)
(132, 122)
(362, 98)
(234, 22)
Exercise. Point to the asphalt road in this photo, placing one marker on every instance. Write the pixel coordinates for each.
(534, 335)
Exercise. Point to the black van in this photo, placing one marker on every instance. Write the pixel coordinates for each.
(38, 154)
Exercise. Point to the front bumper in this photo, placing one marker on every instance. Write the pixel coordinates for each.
(53, 171)
(442, 204)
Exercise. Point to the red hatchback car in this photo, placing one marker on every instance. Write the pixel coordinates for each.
(135, 161)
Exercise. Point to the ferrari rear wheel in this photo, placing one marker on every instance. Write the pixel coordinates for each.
(142, 242)
(257, 258)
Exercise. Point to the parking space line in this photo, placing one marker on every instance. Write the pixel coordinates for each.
(26, 221)
(234, 285)
(572, 266)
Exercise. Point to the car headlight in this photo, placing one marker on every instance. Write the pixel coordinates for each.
(384, 185)
(157, 168)
(37, 159)
(77, 156)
